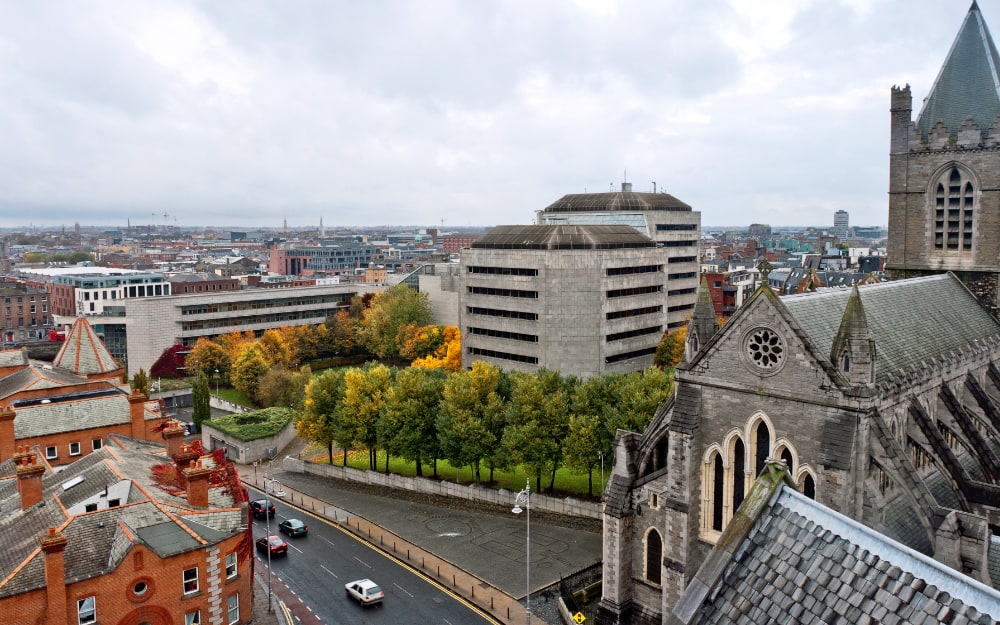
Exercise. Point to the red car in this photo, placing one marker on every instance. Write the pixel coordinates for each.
(277, 546)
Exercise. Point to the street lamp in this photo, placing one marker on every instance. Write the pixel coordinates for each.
(216, 382)
(267, 525)
(524, 497)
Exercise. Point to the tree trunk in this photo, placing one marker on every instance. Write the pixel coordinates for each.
(538, 481)
(435, 468)
(552, 482)
(420, 468)
(329, 448)
(590, 482)
(345, 456)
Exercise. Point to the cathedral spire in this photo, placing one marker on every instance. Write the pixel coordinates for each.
(703, 324)
(853, 351)
(968, 83)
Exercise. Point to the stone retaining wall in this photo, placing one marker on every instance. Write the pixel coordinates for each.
(572, 507)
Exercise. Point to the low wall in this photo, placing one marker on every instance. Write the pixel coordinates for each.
(503, 497)
(217, 402)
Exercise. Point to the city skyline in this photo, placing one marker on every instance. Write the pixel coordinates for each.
(451, 116)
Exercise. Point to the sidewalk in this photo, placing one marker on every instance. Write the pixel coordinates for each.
(480, 557)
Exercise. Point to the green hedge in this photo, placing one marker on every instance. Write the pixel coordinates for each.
(250, 426)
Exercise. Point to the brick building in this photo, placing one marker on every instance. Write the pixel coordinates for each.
(130, 535)
(25, 311)
(68, 409)
(944, 169)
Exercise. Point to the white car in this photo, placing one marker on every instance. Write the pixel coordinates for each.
(364, 591)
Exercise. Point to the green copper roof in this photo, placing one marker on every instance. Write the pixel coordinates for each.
(968, 82)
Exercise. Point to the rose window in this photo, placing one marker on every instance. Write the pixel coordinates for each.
(765, 349)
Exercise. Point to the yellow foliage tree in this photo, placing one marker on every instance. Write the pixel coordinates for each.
(447, 356)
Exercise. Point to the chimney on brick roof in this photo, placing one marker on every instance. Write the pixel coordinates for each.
(53, 544)
(137, 414)
(196, 476)
(173, 434)
(7, 441)
(29, 481)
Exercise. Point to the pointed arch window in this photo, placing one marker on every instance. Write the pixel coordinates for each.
(739, 474)
(718, 488)
(954, 211)
(654, 555)
(762, 448)
(847, 363)
(809, 487)
(786, 455)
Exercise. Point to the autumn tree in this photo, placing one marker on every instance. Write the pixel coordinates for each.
(407, 426)
(248, 368)
(341, 333)
(279, 348)
(588, 439)
(448, 353)
(670, 350)
(364, 394)
(209, 356)
(283, 387)
(389, 311)
(472, 417)
(538, 417)
(321, 417)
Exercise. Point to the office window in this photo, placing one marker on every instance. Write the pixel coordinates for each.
(190, 580)
(74, 449)
(231, 565)
(86, 610)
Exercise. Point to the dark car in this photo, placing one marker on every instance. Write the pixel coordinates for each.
(293, 527)
(258, 507)
(277, 546)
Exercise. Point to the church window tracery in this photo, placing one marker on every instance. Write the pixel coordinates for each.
(954, 211)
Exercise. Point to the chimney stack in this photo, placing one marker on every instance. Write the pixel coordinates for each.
(173, 434)
(29, 481)
(137, 413)
(7, 442)
(196, 476)
(53, 545)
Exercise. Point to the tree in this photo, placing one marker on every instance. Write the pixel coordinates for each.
(407, 426)
(389, 311)
(248, 367)
(538, 416)
(467, 420)
(208, 356)
(282, 387)
(583, 446)
(670, 350)
(279, 348)
(447, 355)
(342, 333)
(321, 417)
(589, 438)
(201, 400)
(140, 382)
(364, 393)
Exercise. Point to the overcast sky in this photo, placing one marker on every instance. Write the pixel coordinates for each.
(461, 113)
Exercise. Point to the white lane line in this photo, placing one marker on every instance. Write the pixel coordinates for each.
(402, 589)
(362, 561)
(329, 571)
(291, 546)
(328, 540)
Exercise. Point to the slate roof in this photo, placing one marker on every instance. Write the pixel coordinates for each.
(896, 312)
(35, 378)
(563, 237)
(967, 83)
(13, 358)
(625, 201)
(84, 352)
(98, 541)
(801, 562)
(76, 413)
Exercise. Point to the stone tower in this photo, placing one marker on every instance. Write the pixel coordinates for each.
(944, 170)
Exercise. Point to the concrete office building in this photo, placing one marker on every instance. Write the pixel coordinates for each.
(144, 328)
(841, 224)
(584, 300)
(669, 222)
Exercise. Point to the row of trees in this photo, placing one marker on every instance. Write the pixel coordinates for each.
(479, 418)
(385, 325)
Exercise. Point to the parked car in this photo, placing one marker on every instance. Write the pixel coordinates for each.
(258, 507)
(277, 546)
(293, 527)
(365, 592)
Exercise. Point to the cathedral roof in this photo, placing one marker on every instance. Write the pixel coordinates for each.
(794, 560)
(84, 352)
(968, 83)
(913, 320)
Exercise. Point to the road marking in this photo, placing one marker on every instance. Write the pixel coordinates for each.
(328, 540)
(329, 571)
(362, 561)
(446, 621)
(291, 546)
(403, 589)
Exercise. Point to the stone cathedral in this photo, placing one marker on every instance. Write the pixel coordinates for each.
(877, 407)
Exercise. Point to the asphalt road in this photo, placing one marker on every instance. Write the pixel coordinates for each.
(319, 565)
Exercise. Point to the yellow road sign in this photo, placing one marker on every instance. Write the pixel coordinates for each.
(579, 617)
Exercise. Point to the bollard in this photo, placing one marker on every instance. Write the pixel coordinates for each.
(453, 580)
(473, 591)
(439, 570)
(491, 602)
(407, 554)
(379, 538)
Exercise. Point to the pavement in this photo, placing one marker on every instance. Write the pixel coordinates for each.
(479, 556)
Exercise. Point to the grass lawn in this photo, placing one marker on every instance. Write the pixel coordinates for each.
(566, 483)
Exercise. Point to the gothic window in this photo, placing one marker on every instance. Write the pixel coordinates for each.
(954, 211)
(739, 474)
(718, 477)
(847, 363)
(654, 554)
(764, 350)
(763, 447)
(786, 455)
(809, 487)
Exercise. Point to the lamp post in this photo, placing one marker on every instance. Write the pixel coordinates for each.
(267, 524)
(524, 497)
(216, 382)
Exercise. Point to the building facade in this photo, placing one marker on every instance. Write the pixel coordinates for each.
(671, 223)
(333, 258)
(899, 435)
(584, 300)
(89, 294)
(841, 224)
(944, 169)
(25, 313)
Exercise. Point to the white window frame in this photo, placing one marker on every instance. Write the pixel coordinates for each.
(86, 613)
(231, 565)
(193, 618)
(186, 579)
(75, 446)
(96, 443)
(51, 452)
(234, 609)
